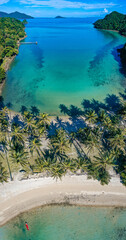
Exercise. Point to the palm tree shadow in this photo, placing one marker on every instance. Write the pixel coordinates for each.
(23, 109)
(73, 111)
(76, 121)
(111, 103)
(93, 104)
(17, 121)
(2, 104)
(34, 111)
(52, 128)
(75, 124)
(69, 124)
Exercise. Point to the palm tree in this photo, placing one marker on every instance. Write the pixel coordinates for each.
(3, 174)
(59, 143)
(57, 170)
(104, 160)
(4, 121)
(42, 164)
(4, 136)
(17, 136)
(102, 115)
(94, 140)
(82, 164)
(73, 139)
(90, 137)
(101, 164)
(91, 116)
(35, 145)
(70, 165)
(30, 123)
(4, 145)
(107, 123)
(42, 123)
(19, 157)
(117, 142)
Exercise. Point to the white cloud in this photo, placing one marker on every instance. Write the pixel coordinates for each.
(105, 10)
(3, 1)
(60, 4)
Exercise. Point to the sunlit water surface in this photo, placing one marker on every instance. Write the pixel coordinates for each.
(71, 62)
(68, 223)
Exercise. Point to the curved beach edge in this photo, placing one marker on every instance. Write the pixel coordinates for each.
(19, 196)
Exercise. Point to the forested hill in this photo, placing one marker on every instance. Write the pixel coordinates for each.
(113, 21)
(15, 15)
(11, 30)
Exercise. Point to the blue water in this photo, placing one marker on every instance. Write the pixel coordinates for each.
(68, 223)
(71, 62)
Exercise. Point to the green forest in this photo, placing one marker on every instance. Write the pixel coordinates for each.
(32, 144)
(113, 21)
(11, 31)
(122, 52)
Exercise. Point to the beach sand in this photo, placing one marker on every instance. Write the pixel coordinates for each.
(19, 196)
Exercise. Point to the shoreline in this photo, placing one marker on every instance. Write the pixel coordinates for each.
(8, 64)
(21, 196)
(109, 30)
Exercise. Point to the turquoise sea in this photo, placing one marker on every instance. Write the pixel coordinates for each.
(71, 62)
(68, 223)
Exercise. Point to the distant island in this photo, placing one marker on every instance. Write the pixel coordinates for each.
(113, 21)
(59, 17)
(15, 15)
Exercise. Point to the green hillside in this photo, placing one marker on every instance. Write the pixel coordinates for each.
(15, 15)
(11, 30)
(112, 21)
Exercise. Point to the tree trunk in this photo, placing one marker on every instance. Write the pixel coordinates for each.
(9, 168)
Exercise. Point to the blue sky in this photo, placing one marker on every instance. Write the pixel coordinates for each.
(68, 8)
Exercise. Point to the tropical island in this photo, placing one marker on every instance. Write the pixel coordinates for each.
(9, 42)
(113, 21)
(117, 22)
(37, 151)
(59, 17)
(104, 132)
(16, 14)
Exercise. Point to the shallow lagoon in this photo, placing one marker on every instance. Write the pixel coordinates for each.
(71, 62)
(68, 223)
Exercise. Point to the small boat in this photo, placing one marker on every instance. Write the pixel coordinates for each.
(26, 224)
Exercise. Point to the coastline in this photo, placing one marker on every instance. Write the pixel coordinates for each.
(20, 196)
(109, 30)
(8, 62)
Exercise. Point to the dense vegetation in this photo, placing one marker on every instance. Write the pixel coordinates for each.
(113, 21)
(11, 31)
(122, 52)
(16, 14)
(30, 143)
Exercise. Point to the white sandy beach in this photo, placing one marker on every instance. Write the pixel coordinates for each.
(19, 196)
